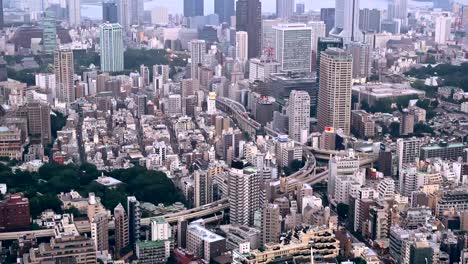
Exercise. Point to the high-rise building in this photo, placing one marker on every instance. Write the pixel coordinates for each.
(361, 53)
(318, 31)
(327, 15)
(193, 8)
(398, 9)
(284, 8)
(145, 74)
(293, 47)
(225, 10)
(269, 34)
(260, 69)
(74, 12)
(242, 47)
(112, 50)
(124, 14)
(341, 166)
(109, 12)
(160, 15)
(14, 213)
(244, 195)
(49, 34)
(299, 116)
(442, 29)
(323, 45)
(347, 21)
(203, 188)
(249, 19)
(39, 121)
(100, 231)
(271, 224)
(300, 8)
(136, 12)
(1, 15)
(407, 150)
(334, 101)
(121, 228)
(197, 55)
(64, 74)
(369, 20)
(134, 217)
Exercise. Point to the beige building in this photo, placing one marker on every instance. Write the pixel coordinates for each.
(271, 225)
(64, 72)
(121, 228)
(10, 142)
(100, 231)
(362, 123)
(334, 105)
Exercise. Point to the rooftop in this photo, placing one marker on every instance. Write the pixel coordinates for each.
(204, 233)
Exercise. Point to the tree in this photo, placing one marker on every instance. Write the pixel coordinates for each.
(342, 211)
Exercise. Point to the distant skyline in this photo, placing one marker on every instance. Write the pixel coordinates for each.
(268, 6)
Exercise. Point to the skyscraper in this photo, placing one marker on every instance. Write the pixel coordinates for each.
(242, 47)
(335, 87)
(193, 8)
(49, 34)
(299, 115)
(398, 9)
(136, 11)
(244, 195)
(361, 53)
(300, 8)
(347, 21)
(323, 45)
(134, 217)
(109, 12)
(1, 14)
(327, 15)
(39, 121)
(64, 72)
(74, 12)
(121, 228)
(124, 14)
(442, 29)
(369, 20)
(100, 231)
(318, 31)
(268, 33)
(284, 8)
(112, 50)
(197, 55)
(224, 9)
(249, 19)
(293, 47)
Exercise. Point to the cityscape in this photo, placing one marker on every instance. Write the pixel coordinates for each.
(234, 131)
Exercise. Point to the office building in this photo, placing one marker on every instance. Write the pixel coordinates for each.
(74, 12)
(391, 26)
(64, 74)
(109, 12)
(112, 49)
(100, 231)
(39, 124)
(121, 228)
(11, 143)
(153, 252)
(299, 115)
(197, 55)
(225, 10)
(347, 21)
(341, 166)
(407, 151)
(327, 15)
(284, 8)
(242, 47)
(249, 19)
(442, 29)
(204, 243)
(244, 195)
(456, 200)
(293, 47)
(261, 68)
(323, 45)
(369, 20)
(444, 150)
(271, 224)
(335, 88)
(318, 31)
(160, 15)
(193, 8)
(14, 213)
(136, 12)
(269, 35)
(398, 9)
(280, 85)
(361, 53)
(362, 124)
(1, 15)
(300, 8)
(49, 34)
(134, 217)
(124, 14)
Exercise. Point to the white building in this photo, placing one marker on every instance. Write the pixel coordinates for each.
(442, 29)
(299, 115)
(160, 229)
(293, 47)
(74, 13)
(347, 21)
(242, 47)
(160, 15)
(260, 69)
(211, 103)
(284, 8)
(112, 47)
(197, 55)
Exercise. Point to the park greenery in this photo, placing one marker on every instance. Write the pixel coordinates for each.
(452, 75)
(43, 186)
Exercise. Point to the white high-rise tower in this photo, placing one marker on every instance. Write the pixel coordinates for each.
(299, 115)
(347, 21)
(112, 50)
(442, 29)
